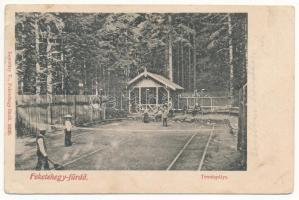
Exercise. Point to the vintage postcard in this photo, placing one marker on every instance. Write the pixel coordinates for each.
(149, 99)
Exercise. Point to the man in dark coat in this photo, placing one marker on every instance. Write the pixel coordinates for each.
(42, 157)
(196, 109)
(146, 118)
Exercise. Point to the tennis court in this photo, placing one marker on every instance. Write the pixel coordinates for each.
(132, 145)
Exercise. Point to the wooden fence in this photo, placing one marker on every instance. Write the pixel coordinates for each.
(33, 111)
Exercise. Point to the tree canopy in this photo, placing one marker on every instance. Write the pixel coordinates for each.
(57, 53)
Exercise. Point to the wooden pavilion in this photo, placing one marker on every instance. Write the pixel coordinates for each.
(149, 92)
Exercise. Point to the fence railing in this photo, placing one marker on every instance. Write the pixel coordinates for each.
(206, 103)
(29, 100)
(34, 110)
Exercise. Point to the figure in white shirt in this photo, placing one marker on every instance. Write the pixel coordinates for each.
(165, 115)
(68, 131)
(42, 157)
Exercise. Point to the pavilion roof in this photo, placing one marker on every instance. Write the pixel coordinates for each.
(161, 79)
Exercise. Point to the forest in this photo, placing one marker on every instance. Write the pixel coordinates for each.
(83, 53)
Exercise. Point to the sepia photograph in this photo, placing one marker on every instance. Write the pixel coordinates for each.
(131, 91)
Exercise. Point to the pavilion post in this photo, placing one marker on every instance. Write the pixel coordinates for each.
(179, 101)
(139, 95)
(157, 95)
(167, 96)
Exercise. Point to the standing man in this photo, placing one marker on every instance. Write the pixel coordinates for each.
(158, 116)
(42, 157)
(146, 118)
(68, 131)
(196, 109)
(165, 115)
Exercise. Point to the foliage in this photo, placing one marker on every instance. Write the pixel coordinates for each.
(73, 53)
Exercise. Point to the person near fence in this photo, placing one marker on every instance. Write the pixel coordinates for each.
(196, 109)
(42, 157)
(146, 118)
(68, 131)
(165, 115)
(158, 115)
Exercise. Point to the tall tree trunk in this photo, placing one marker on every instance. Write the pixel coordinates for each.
(63, 69)
(175, 65)
(164, 62)
(85, 76)
(231, 67)
(189, 67)
(153, 58)
(100, 79)
(49, 68)
(108, 83)
(38, 71)
(194, 61)
(170, 69)
(127, 56)
(49, 77)
(97, 82)
(178, 63)
(37, 64)
(189, 62)
(183, 74)
(105, 79)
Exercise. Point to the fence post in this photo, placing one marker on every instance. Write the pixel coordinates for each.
(242, 122)
(75, 110)
(37, 113)
(91, 108)
(51, 113)
(104, 111)
(129, 95)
